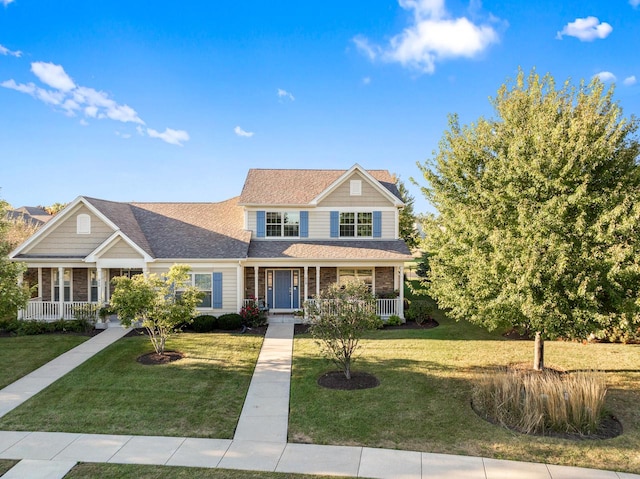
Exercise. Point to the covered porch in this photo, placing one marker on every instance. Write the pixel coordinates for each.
(286, 289)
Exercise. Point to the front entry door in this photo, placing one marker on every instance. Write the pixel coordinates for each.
(282, 289)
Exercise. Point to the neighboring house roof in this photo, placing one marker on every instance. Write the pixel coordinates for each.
(346, 249)
(181, 230)
(30, 215)
(298, 187)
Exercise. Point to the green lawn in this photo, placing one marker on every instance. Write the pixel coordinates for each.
(423, 402)
(19, 355)
(130, 471)
(199, 396)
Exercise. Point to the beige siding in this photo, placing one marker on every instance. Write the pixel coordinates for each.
(64, 240)
(252, 223)
(388, 225)
(319, 225)
(341, 196)
(120, 249)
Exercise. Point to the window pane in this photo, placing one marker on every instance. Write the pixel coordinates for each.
(274, 230)
(291, 230)
(206, 300)
(202, 281)
(274, 223)
(365, 230)
(274, 217)
(347, 218)
(347, 230)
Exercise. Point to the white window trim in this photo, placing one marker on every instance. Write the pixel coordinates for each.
(282, 236)
(355, 224)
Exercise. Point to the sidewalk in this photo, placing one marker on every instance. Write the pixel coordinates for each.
(260, 442)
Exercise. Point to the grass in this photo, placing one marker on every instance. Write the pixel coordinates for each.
(28, 353)
(131, 471)
(199, 396)
(423, 402)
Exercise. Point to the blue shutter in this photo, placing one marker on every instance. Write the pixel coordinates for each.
(335, 224)
(377, 224)
(304, 224)
(217, 290)
(260, 217)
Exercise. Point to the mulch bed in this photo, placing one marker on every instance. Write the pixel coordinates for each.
(337, 380)
(155, 358)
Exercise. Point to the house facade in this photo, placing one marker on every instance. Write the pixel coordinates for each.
(287, 236)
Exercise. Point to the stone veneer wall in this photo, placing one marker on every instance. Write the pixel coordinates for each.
(384, 280)
(80, 290)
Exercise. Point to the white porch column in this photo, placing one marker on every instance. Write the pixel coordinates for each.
(101, 289)
(306, 284)
(396, 269)
(317, 281)
(240, 286)
(256, 282)
(61, 290)
(401, 291)
(40, 283)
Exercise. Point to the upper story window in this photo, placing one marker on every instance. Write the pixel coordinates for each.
(285, 224)
(83, 224)
(356, 225)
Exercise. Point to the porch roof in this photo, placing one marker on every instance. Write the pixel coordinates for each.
(336, 250)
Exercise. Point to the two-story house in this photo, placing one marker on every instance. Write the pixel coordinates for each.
(287, 236)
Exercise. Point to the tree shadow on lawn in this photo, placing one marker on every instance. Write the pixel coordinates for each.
(426, 406)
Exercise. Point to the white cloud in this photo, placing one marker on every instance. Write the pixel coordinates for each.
(586, 29)
(634, 3)
(84, 122)
(433, 36)
(175, 137)
(7, 2)
(5, 51)
(366, 80)
(240, 132)
(73, 99)
(605, 76)
(285, 94)
(126, 136)
(53, 75)
(630, 80)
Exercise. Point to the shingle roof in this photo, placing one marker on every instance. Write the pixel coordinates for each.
(297, 187)
(181, 230)
(349, 250)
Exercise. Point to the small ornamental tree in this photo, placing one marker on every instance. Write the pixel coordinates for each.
(162, 303)
(339, 317)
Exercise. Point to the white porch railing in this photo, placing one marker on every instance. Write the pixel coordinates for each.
(51, 311)
(384, 307)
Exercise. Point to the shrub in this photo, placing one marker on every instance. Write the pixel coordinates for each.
(393, 320)
(204, 324)
(252, 315)
(419, 311)
(230, 321)
(541, 402)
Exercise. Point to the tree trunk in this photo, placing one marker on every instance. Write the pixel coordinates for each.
(538, 353)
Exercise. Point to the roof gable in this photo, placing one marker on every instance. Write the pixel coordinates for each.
(303, 187)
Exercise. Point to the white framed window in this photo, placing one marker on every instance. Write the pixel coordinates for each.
(282, 224)
(55, 284)
(351, 274)
(354, 225)
(355, 187)
(93, 286)
(203, 282)
(83, 224)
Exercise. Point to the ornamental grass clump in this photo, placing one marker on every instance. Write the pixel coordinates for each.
(542, 402)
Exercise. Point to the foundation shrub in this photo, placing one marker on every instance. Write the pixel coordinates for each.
(230, 321)
(204, 323)
(419, 311)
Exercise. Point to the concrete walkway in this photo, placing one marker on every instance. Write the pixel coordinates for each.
(50, 455)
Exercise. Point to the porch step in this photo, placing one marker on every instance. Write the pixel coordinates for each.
(284, 319)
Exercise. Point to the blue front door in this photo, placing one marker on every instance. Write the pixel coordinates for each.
(282, 288)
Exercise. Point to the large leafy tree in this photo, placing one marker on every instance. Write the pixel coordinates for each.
(163, 303)
(407, 217)
(539, 218)
(13, 296)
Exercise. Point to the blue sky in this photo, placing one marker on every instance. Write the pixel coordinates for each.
(175, 101)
